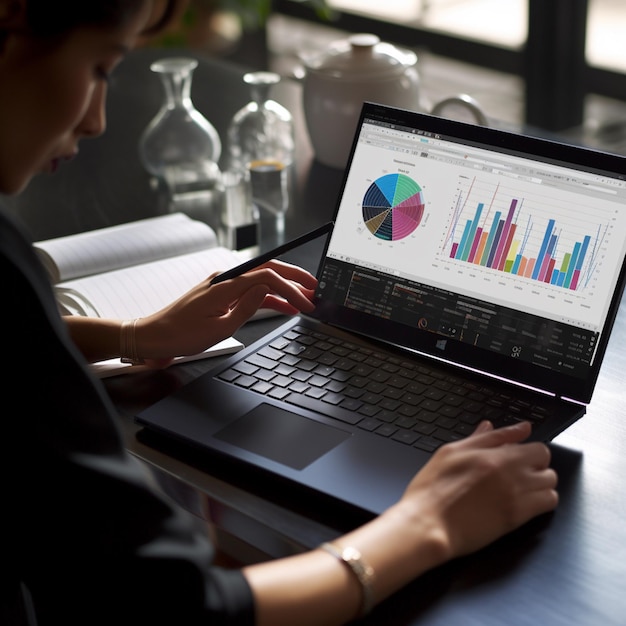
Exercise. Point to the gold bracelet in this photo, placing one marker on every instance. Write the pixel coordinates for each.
(364, 574)
(128, 345)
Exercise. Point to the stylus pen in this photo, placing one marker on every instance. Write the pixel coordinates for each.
(238, 270)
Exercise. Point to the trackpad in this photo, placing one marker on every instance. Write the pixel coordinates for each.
(282, 436)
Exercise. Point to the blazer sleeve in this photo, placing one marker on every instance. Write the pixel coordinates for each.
(87, 534)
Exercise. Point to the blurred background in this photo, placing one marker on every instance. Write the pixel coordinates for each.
(552, 68)
(553, 65)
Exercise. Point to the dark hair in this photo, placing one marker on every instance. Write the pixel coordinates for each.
(48, 18)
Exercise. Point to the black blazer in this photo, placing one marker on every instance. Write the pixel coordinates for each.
(88, 538)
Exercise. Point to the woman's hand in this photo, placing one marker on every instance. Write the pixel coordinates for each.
(209, 313)
(475, 490)
(471, 493)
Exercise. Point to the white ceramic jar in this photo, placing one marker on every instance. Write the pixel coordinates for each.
(337, 82)
(349, 72)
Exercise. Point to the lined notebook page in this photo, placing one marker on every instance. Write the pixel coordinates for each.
(123, 245)
(142, 289)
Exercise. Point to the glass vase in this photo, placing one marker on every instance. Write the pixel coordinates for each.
(180, 147)
(261, 147)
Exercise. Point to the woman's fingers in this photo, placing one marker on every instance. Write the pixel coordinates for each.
(543, 499)
(244, 307)
(486, 435)
(291, 272)
(281, 268)
(490, 483)
(297, 294)
(276, 303)
(534, 456)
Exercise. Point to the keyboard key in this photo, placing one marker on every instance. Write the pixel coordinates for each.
(428, 444)
(405, 436)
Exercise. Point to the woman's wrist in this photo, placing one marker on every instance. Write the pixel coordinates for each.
(128, 343)
(362, 573)
(147, 342)
(422, 532)
(399, 545)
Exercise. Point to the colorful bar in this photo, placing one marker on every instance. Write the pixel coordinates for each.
(490, 238)
(481, 247)
(496, 243)
(547, 258)
(569, 277)
(507, 247)
(464, 236)
(475, 245)
(467, 242)
(512, 256)
(542, 250)
(501, 252)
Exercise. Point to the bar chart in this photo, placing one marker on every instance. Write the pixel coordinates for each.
(537, 240)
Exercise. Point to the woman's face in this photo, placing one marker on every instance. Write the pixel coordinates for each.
(54, 96)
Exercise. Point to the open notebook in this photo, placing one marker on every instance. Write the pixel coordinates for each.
(470, 273)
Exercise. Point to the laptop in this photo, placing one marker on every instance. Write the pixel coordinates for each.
(470, 273)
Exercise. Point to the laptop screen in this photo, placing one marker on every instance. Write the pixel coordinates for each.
(488, 249)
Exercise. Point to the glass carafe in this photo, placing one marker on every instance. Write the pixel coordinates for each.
(180, 147)
(261, 146)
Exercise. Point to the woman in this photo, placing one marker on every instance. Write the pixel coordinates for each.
(87, 539)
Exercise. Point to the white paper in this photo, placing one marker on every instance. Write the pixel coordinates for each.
(123, 245)
(141, 290)
(113, 367)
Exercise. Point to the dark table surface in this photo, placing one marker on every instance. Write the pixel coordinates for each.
(565, 568)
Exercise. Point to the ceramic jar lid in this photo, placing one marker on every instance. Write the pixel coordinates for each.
(361, 57)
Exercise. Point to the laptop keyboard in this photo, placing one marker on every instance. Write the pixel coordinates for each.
(377, 391)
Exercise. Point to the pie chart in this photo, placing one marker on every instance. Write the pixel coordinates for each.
(393, 207)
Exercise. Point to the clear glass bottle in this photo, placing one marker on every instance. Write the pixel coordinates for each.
(180, 147)
(261, 145)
